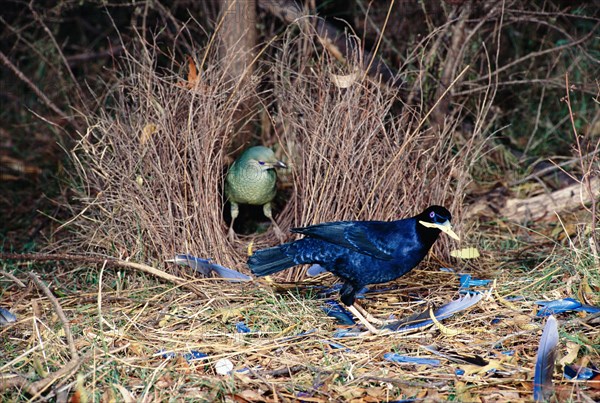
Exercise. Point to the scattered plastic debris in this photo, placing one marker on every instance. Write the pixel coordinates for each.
(191, 356)
(194, 355)
(241, 327)
(336, 310)
(467, 283)
(564, 305)
(223, 366)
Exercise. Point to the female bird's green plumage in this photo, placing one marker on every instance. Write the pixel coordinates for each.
(252, 180)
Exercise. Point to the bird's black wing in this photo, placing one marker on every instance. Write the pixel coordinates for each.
(371, 238)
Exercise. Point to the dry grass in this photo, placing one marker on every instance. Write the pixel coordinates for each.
(355, 153)
(135, 334)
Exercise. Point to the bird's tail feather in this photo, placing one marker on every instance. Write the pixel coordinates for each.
(268, 261)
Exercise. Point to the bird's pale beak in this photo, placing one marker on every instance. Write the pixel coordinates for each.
(446, 228)
(279, 164)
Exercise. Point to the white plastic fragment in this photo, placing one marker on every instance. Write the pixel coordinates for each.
(223, 366)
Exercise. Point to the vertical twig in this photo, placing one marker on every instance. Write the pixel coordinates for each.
(586, 172)
(61, 314)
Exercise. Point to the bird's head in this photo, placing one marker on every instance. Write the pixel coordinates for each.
(262, 157)
(439, 218)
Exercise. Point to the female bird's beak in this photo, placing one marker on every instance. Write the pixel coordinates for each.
(446, 228)
(279, 164)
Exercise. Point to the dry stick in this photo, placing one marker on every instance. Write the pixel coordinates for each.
(58, 48)
(59, 311)
(539, 53)
(538, 173)
(109, 261)
(457, 34)
(35, 389)
(586, 175)
(329, 35)
(13, 278)
(392, 162)
(385, 22)
(34, 88)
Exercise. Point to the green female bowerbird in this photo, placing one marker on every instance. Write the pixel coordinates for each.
(251, 180)
(359, 252)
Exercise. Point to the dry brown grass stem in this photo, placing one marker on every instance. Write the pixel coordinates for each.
(45, 257)
(59, 312)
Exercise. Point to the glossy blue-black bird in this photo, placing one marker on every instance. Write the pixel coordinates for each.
(359, 252)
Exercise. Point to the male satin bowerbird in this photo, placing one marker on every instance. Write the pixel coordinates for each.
(251, 179)
(359, 252)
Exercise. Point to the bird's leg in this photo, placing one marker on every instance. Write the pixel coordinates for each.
(269, 214)
(370, 317)
(372, 329)
(235, 211)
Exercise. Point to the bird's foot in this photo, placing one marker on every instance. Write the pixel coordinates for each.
(278, 233)
(371, 318)
(370, 328)
(232, 235)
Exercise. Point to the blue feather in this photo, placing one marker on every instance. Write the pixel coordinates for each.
(6, 317)
(441, 313)
(393, 357)
(205, 267)
(544, 364)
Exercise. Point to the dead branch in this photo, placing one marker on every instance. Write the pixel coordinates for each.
(59, 312)
(537, 207)
(451, 64)
(34, 88)
(13, 278)
(330, 37)
(40, 257)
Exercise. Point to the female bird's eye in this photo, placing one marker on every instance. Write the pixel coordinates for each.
(261, 162)
(432, 214)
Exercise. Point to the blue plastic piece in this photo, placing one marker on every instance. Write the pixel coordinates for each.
(242, 328)
(167, 355)
(466, 281)
(582, 374)
(353, 332)
(194, 355)
(564, 305)
(335, 310)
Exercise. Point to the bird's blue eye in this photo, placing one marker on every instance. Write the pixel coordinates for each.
(261, 162)
(432, 214)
